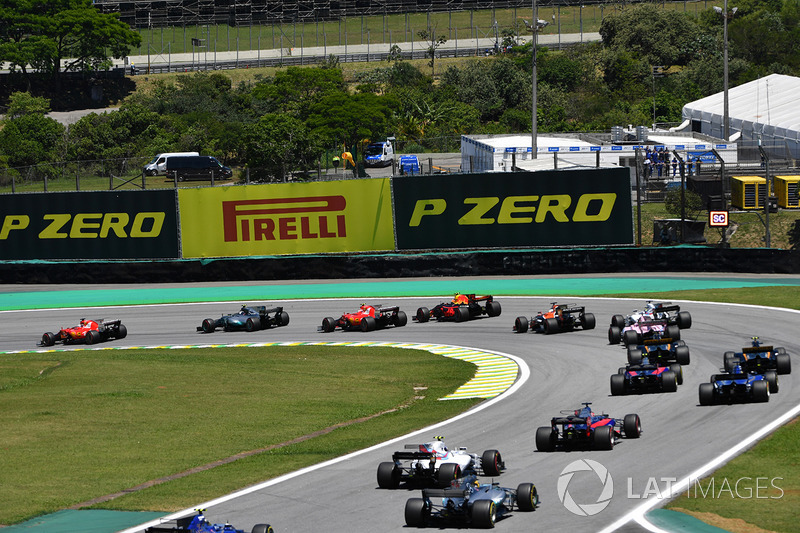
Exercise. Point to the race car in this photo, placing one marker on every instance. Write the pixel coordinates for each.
(659, 349)
(198, 524)
(582, 428)
(645, 328)
(758, 358)
(87, 331)
(662, 317)
(468, 501)
(432, 463)
(560, 317)
(248, 318)
(646, 376)
(462, 307)
(367, 318)
(738, 386)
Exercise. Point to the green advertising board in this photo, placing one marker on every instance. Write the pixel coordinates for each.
(584, 207)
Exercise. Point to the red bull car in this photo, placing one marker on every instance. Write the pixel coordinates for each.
(560, 317)
(367, 318)
(461, 308)
(88, 332)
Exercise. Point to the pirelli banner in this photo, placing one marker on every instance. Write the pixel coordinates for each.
(89, 225)
(286, 218)
(546, 208)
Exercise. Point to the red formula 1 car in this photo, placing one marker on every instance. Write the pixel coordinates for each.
(367, 318)
(462, 307)
(87, 331)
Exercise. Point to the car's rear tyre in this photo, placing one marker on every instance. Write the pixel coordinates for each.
(617, 384)
(678, 370)
(669, 381)
(423, 314)
(729, 361)
(417, 512)
(484, 514)
(262, 528)
(491, 463)
(368, 324)
(447, 473)
(328, 324)
(682, 355)
(673, 332)
(462, 314)
(632, 425)
(684, 320)
(545, 439)
(92, 337)
(603, 438)
(634, 356)
(551, 326)
(521, 324)
(760, 391)
(588, 321)
(208, 326)
(48, 339)
(780, 349)
(253, 324)
(772, 380)
(400, 319)
(630, 338)
(122, 332)
(621, 370)
(388, 476)
(282, 318)
(614, 335)
(527, 497)
(783, 364)
(706, 393)
(618, 321)
(493, 308)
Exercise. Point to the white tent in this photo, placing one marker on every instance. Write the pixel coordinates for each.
(765, 109)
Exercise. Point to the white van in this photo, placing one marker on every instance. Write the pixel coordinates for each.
(380, 154)
(159, 163)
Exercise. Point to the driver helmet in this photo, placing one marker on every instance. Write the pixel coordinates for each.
(460, 299)
(83, 321)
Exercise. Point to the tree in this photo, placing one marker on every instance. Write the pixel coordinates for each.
(278, 144)
(433, 42)
(31, 139)
(692, 202)
(21, 103)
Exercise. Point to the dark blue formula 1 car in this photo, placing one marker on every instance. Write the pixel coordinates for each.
(248, 318)
(646, 376)
(757, 359)
(584, 429)
(468, 501)
(738, 386)
(659, 349)
(198, 524)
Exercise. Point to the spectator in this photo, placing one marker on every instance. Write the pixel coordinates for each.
(674, 166)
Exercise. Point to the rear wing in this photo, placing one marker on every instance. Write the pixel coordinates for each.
(390, 309)
(574, 309)
(667, 307)
(662, 340)
(448, 492)
(757, 349)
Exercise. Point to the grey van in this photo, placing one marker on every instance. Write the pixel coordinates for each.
(198, 167)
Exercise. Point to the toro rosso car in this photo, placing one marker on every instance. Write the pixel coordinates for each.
(757, 359)
(462, 307)
(87, 331)
(367, 318)
(738, 386)
(560, 317)
(646, 376)
(659, 350)
(199, 524)
(248, 318)
(471, 502)
(432, 463)
(584, 429)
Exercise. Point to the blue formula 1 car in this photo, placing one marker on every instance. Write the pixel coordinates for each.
(757, 359)
(646, 376)
(738, 386)
(198, 524)
(582, 428)
(659, 349)
(248, 318)
(471, 502)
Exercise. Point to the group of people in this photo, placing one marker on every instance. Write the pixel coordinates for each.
(657, 164)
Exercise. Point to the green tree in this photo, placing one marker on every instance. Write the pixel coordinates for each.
(692, 202)
(297, 89)
(31, 139)
(433, 42)
(23, 103)
(277, 145)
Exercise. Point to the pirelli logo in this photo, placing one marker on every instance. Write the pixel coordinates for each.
(278, 219)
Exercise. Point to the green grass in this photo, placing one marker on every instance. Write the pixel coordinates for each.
(131, 181)
(82, 424)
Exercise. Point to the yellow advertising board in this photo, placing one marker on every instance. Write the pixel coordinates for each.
(286, 218)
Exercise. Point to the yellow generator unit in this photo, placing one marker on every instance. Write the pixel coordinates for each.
(787, 191)
(748, 192)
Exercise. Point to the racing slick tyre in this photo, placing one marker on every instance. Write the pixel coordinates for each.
(368, 324)
(253, 324)
(388, 475)
(603, 438)
(462, 314)
(527, 497)
(447, 473)
(122, 332)
(684, 320)
(484, 514)
(632, 425)
(614, 335)
(682, 355)
(551, 326)
(546, 439)
(780, 349)
(783, 364)
(328, 324)
(760, 391)
(772, 380)
(208, 326)
(493, 308)
(630, 338)
(521, 324)
(673, 332)
(48, 339)
(706, 392)
(729, 360)
(634, 356)
(417, 512)
(491, 463)
(678, 370)
(621, 370)
(617, 384)
(400, 319)
(92, 337)
(618, 321)
(262, 528)
(282, 318)
(669, 381)
(423, 314)
(588, 321)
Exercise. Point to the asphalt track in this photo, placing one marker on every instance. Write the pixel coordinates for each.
(679, 436)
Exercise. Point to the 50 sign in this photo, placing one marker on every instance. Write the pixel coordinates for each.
(718, 219)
